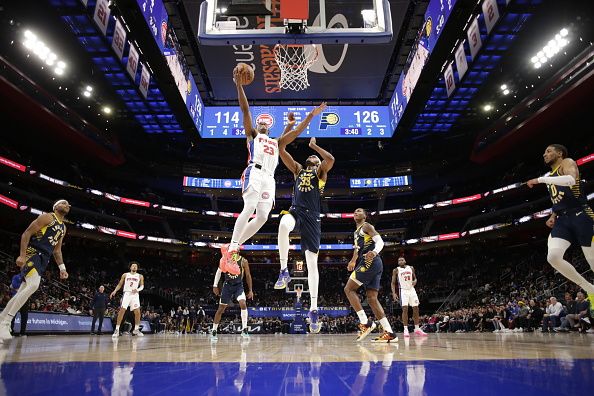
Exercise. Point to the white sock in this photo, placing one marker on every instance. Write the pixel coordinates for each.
(406, 329)
(386, 325)
(313, 277)
(287, 224)
(233, 246)
(215, 326)
(417, 327)
(283, 263)
(244, 318)
(136, 328)
(362, 316)
(117, 328)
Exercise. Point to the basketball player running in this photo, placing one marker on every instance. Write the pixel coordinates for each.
(572, 219)
(233, 289)
(40, 240)
(368, 268)
(304, 215)
(133, 283)
(258, 185)
(405, 278)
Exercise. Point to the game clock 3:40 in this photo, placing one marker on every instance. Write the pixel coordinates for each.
(334, 122)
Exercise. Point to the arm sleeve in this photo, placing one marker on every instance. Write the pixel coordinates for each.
(217, 278)
(141, 288)
(379, 243)
(564, 180)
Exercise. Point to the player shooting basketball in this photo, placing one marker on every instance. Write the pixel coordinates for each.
(258, 184)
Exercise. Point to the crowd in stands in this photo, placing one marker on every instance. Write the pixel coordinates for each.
(509, 291)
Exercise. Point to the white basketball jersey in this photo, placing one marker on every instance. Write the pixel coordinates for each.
(263, 151)
(132, 281)
(405, 278)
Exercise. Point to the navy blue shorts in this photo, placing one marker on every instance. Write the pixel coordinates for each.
(309, 226)
(231, 292)
(575, 227)
(35, 260)
(370, 274)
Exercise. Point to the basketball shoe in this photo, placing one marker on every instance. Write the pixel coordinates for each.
(406, 334)
(244, 333)
(5, 331)
(228, 261)
(386, 338)
(137, 333)
(314, 325)
(283, 279)
(365, 329)
(213, 335)
(420, 333)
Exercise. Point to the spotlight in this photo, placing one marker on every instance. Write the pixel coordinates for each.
(506, 91)
(58, 71)
(487, 107)
(503, 87)
(87, 94)
(89, 88)
(107, 110)
(564, 32)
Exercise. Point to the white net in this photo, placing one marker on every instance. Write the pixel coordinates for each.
(294, 61)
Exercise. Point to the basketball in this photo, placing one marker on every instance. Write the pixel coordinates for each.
(245, 72)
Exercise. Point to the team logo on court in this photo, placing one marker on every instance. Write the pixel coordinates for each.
(328, 118)
(265, 195)
(266, 118)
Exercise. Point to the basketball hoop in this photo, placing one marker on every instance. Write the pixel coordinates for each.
(294, 61)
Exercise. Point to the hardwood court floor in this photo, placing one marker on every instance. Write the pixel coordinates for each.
(441, 364)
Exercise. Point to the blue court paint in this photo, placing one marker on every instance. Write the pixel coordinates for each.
(384, 377)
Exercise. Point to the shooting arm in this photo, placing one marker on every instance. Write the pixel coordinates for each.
(217, 278)
(288, 160)
(245, 110)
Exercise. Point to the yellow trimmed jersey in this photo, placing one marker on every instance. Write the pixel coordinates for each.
(48, 237)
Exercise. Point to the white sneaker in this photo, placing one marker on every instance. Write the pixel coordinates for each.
(137, 333)
(406, 334)
(115, 334)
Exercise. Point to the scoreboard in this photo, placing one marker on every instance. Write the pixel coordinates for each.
(334, 122)
(381, 182)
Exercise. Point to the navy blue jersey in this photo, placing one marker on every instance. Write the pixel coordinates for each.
(364, 243)
(564, 197)
(48, 237)
(308, 190)
(231, 279)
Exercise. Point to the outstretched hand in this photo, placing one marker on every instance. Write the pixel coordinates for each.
(312, 142)
(319, 109)
(290, 120)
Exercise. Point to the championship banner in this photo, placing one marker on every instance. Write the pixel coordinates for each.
(449, 80)
(101, 16)
(145, 80)
(132, 65)
(491, 13)
(461, 63)
(119, 39)
(474, 38)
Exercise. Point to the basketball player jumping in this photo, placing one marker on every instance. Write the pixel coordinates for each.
(133, 283)
(258, 184)
(405, 279)
(368, 268)
(40, 240)
(304, 215)
(572, 219)
(233, 289)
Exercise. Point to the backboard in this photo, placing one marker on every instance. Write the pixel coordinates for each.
(328, 22)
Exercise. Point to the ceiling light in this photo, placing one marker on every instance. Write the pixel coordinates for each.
(30, 35)
(61, 65)
(107, 110)
(487, 107)
(506, 91)
(534, 59)
(564, 32)
(58, 71)
(503, 87)
(87, 94)
(89, 88)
